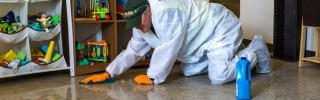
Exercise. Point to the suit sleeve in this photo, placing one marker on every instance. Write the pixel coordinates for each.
(137, 47)
(170, 28)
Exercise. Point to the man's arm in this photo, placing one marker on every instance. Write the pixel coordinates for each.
(137, 47)
(170, 28)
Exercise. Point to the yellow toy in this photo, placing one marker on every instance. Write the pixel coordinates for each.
(47, 57)
(35, 54)
(95, 49)
(9, 56)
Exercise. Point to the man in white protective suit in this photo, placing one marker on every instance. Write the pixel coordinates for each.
(203, 36)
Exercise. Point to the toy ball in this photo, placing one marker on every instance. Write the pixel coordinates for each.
(98, 17)
(148, 56)
(108, 17)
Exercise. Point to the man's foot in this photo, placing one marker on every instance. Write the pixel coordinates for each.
(262, 52)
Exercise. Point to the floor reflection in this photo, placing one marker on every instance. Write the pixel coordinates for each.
(286, 81)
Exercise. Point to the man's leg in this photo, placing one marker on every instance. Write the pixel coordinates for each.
(261, 49)
(222, 63)
(191, 69)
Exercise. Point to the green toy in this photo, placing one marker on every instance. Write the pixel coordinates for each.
(55, 19)
(55, 57)
(81, 61)
(102, 15)
(5, 27)
(9, 30)
(15, 26)
(21, 55)
(79, 46)
(98, 51)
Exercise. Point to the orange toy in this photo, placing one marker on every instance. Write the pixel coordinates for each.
(2, 63)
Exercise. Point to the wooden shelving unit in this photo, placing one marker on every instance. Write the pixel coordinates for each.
(109, 29)
(314, 59)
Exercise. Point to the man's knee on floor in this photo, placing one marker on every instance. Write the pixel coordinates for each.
(188, 73)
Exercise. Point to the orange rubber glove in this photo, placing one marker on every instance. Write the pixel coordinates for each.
(143, 79)
(96, 78)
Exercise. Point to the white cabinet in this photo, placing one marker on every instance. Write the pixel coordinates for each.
(27, 38)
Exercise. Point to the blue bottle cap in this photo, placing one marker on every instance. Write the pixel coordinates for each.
(243, 58)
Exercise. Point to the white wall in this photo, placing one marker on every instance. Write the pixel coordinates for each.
(256, 17)
(311, 39)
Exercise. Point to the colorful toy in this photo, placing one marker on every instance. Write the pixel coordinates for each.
(83, 62)
(44, 48)
(95, 49)
(47, 57)
(21, 55)
(44, 19)
(80, 48)
(15, 27)
(56, 57)
(1, 24)
(3, 64)
(78, 9)
(5, 28)
(5, 23)
(55, 20)
(35, 26)
(148, 55)
(100, 9)
(120, 8)
(18, 19)
(9, 18)
(42, 22)
(14, 64)
(80, 59)
(22, 62)
(35, 54)
(9, 56)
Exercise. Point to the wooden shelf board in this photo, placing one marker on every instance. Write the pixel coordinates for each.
(122, 20)
(97, 67)
(143, 62)
(312, 59)
(90, 20)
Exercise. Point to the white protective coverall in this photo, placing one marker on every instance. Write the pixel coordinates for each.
(203, 36)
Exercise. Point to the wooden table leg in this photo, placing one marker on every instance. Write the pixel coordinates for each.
(302, 45)
(317, 42)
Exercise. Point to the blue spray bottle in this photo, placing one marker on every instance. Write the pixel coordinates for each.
(243, 79)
